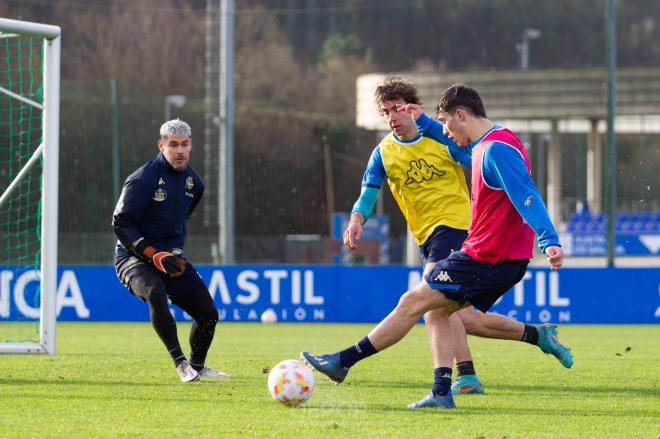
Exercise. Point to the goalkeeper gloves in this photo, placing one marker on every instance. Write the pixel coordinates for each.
(168, 263)
(162, 260)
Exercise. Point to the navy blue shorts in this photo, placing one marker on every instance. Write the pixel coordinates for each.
(441, 243)
(131, 268)
(461, 278)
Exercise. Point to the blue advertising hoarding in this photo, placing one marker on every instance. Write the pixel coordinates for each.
(626, 244)
(342, 294)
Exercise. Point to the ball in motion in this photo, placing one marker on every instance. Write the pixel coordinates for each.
(291, 382)
(268, 316)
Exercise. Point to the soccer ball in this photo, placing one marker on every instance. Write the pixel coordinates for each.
(268, 316)
(291, 382)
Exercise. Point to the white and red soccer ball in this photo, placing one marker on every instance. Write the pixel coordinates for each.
(291, 382)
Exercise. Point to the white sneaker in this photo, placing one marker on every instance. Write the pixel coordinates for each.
(186, 372)
(213, 374)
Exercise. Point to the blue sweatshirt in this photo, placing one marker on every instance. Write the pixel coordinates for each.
(154, 205)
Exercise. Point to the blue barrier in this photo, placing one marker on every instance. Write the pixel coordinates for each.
(595, 244)
(343, 294)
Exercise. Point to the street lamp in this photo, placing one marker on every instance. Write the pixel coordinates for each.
(176, 100)
(523, 47)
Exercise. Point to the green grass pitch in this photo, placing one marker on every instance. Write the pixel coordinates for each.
(115, 380)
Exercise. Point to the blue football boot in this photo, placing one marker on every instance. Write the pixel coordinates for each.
(430, 400)
(327, 364)
(467, 384)
(550, 344)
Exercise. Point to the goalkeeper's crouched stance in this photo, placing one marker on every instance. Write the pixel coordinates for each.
(149, 221)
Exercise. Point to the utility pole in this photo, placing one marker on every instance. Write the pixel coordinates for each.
(226, 196)
(610, 32)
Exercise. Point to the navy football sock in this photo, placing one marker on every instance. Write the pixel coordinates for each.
(359, 351)
(530, 335)
(177, 356)
(197, 367)
(441, 381)
(465, 368)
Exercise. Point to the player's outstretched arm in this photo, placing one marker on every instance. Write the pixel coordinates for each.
(436, 130)
(555, 256)
(353, 232)
(504, 168)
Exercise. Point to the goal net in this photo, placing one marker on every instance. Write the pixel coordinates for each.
(29, 125)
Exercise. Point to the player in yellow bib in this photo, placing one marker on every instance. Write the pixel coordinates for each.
(426, 180)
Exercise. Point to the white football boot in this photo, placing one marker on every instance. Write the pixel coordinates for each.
(213, 374)
(186, 372)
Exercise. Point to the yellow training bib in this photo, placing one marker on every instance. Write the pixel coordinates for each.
(428, 185)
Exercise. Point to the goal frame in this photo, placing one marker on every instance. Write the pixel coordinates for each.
(49, 150)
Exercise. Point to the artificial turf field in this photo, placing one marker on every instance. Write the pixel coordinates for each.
(115, 380)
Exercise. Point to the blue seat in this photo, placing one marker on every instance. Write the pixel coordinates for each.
(575, 226)
(575, 216)
(626, 226)
(637, 227)
(589, 227)
(649, 226)
(622, 217)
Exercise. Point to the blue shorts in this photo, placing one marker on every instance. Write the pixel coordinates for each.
(461, 278)
(441, 243)
(139, 277)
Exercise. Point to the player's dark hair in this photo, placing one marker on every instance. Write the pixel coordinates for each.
(461, 96)
(395, 87)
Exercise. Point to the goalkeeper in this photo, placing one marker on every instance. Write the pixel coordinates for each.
(421, 166)
(150, 223)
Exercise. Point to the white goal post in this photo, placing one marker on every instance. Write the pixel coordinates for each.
(48, 153)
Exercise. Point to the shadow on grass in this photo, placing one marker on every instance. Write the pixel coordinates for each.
(398, 384)
(511, 389)
(582, 390)
(481, 411)
(102, 383)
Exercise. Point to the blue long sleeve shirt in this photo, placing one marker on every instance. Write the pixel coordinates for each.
(154, 205)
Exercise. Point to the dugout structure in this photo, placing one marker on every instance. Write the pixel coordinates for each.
(29, 154)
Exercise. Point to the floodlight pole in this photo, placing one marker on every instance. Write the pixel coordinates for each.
(610, 32)
(523, 47)
(116, 179)
(226, 193)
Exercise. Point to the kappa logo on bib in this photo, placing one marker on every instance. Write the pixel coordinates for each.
(421, 171)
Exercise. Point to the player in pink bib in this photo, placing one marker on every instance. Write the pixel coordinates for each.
(506, 212)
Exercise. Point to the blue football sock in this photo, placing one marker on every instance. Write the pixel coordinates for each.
(441, 381)
(359, 351)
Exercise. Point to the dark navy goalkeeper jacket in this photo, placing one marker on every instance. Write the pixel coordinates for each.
(154, 204)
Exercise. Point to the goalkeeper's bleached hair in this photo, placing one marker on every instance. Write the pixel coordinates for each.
(175, 127)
